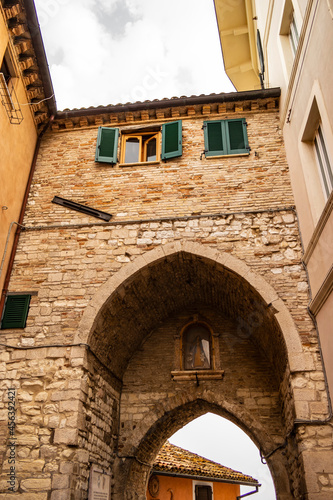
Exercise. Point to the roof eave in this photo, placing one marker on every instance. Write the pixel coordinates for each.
(37, 41)
(205, 478)
(176, 101)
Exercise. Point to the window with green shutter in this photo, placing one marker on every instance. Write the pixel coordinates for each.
(15, 311)
(140, 145)
(226, 137)
(171, 140)
(107, 145)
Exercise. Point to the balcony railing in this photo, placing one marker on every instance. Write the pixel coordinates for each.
(9, 100)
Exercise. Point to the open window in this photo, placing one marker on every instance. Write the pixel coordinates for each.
(7, 90)
(144, 145)
(226, 137)
(138, 148)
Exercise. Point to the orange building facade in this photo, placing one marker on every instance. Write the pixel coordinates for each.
(178, 474)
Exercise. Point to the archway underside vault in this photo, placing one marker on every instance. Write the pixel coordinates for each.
(137, 312)
(175, 283)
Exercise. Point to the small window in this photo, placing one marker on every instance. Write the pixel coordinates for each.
(203, 492)
(196, 347)
(15, 311)
(226, 137)
(7, 68)
(323, 161)
(293, 35)
(139, 146)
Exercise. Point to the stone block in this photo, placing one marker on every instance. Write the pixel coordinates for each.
(66, 436)
(36, 484)
(60, 481)
(61, 494)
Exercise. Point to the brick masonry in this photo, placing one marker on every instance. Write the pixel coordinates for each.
(190, 237)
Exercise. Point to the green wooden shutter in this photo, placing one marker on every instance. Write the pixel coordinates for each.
(236, 134)
(215, 138)
(16, 311)
(171, 140)
(107, 145)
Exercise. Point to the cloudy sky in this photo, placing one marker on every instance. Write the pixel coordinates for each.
(117, 51)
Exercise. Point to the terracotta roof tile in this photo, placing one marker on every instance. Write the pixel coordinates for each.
(174, 460)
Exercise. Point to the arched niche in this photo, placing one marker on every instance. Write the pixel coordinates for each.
(174, 276)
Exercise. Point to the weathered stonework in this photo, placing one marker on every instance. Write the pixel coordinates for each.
(215, 239)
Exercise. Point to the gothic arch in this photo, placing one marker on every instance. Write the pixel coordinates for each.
(132, 473)
(217, 261)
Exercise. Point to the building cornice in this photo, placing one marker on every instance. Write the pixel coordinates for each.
(22, 24)
(168, 109)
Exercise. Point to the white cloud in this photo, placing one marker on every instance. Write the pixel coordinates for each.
(163, 49)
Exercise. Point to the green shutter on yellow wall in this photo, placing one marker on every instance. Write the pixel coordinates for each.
(107, 145)
(16, 311)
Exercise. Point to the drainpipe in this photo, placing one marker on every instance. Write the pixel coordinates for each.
(249, 493)
(19, 223)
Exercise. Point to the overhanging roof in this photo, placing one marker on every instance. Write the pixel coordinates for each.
(238, 42)
(175, 461)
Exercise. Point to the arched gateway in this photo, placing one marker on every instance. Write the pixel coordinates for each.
(191, 298)
(134, 326)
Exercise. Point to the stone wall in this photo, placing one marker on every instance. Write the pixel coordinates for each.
(190, 236)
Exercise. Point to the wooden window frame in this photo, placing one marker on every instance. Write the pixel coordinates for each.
(143, 145)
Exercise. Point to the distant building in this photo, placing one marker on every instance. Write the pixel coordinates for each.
(178, 473)
(26, 104)
(289, 44)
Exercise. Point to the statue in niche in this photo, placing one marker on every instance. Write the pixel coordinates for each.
(196, 347)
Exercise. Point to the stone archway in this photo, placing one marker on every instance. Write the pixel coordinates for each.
(133, 473)
(121, 281)
(134, 319)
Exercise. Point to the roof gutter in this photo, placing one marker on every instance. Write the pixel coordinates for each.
(206, 478)
(249, 493)
(176, 101)
(39, 49)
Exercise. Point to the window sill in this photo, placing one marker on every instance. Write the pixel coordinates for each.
(186, 375)
(156, 162)
(226, 156)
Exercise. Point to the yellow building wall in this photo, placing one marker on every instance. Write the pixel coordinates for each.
(17, 146)
(177, 488)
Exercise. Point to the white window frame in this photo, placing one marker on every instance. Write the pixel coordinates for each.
(316, 113)
(293, 35)
(290, 24)
(201, 483)
(323, 161)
